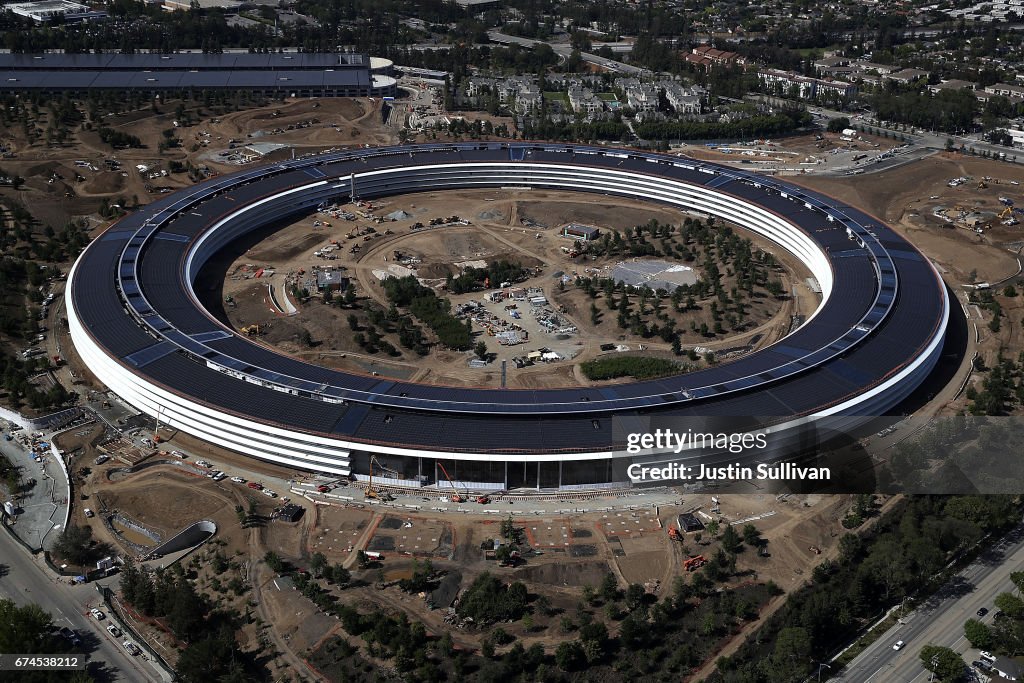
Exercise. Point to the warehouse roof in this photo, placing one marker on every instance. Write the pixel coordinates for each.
(183, 61)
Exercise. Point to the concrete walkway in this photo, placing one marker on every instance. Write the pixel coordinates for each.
(43, 508)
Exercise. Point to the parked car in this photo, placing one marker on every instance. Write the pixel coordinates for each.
(88, 512)
(71, 636)
(102, 459)
(268, 492)
(113, 630)
(983, 611)
(238, 480)
(97, 615)
(255, 485)
(130, 648)
(178, 454)
(219, 476)
(323, 488)
(987, 655)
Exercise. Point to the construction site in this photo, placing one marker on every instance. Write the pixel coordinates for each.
(290, 287)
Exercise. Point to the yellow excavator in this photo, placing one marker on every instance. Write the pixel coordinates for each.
(251, 330)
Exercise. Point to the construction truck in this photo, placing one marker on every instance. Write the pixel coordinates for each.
(673, 533)
(692, 564)
(455, 497)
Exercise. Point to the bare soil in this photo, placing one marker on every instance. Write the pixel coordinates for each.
(517, 226)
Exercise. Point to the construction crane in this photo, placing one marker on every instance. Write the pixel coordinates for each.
(455, 497)
(372, 493)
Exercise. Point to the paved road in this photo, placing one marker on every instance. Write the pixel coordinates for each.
(940, 620)
(24, 581)
(565, 50)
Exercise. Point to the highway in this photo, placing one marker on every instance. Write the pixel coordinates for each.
(24, 581)
(940, 620)
(565, 50)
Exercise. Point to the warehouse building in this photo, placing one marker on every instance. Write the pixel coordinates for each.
(581, 232)
(44, 11)
(273, 74)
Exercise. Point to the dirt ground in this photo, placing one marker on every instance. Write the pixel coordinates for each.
(569, 553)
(905, 198)
(521, 227)
(59, 190)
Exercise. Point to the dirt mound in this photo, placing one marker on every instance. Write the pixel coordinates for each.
(276, 250)
(435, 270)
(104, 183)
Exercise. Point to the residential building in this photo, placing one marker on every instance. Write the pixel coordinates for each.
(583, 101)
(1006, 90)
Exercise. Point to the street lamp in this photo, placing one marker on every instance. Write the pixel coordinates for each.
(820, 665)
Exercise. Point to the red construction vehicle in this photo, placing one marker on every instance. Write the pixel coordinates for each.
(694, 563)
(674, 534)
(455, 497)
(483, 500)
(323, 488)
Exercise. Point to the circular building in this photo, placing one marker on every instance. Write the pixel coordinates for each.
(139, 326)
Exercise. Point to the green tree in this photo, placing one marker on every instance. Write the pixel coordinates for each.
(75, 545)
(1010, 604)
(340, 575)
(317, 564)
(943, 662)
(838, 124)
(480, 349)
(791, 658)
(570, 656)
(609, 588)
(1018, 580)
(979, 634)
(730, 539)
(25, 629)
(274, 561)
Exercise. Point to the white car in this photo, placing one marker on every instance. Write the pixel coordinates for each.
(898, 645)
(113, 630)
(178, 454)
(203, 463)
(268, 492)
(238, 480)
(98, 615)
(88, 512)
(987, 655)
(130, 647)
(219, 476)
